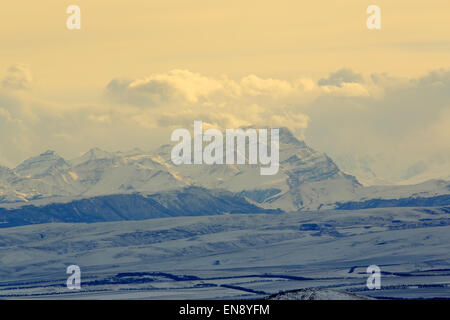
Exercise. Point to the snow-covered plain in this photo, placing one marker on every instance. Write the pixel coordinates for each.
(238, 256)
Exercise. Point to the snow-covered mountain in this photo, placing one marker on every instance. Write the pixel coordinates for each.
(307, 179)
(46, 163)
(99, 172)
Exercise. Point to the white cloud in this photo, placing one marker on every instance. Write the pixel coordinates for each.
(179, 97)
(157, 89)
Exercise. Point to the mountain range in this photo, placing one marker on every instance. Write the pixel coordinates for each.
(307, 179)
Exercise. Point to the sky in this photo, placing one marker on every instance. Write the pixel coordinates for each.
(136, 70)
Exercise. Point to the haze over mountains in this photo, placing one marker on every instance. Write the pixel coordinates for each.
(382, 169)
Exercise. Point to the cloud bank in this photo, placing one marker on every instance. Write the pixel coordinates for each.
(402, 121)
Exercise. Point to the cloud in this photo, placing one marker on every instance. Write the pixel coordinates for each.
(340, 77)
(179, 97)
(183, 86)
(400, 122)
(256, 86)
(18, 77)
(157, 89)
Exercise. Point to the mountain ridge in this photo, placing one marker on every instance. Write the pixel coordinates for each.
(307, 179)
(189, 201)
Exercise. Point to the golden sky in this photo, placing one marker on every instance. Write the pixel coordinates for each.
(282, 38)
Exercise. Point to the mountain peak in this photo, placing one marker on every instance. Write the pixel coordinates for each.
(93, 154)
(49, 153)
(41, 164)
(286, 137)
(98, 153)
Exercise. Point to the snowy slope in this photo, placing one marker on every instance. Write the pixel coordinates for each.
(233, 256)
(191, 201)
